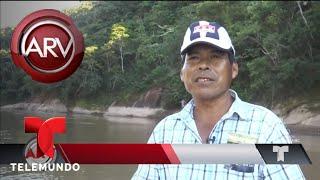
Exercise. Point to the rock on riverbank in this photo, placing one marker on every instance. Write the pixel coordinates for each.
(132, 111)
(303, 114)
(55, 106)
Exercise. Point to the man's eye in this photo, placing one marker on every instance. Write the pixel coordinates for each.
(193, 57)
(217, 55)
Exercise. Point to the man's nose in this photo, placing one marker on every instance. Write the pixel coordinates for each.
(204, 64)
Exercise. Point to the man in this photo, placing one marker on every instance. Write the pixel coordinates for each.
(216, 115)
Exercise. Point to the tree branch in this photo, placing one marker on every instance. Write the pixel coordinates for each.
(264, 50)
(304, 19)
(165, 27)
(301, 12)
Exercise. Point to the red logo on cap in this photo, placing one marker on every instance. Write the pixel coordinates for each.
(47, 45)
(205, 28)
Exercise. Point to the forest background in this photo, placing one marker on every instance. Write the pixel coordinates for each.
(132, 47)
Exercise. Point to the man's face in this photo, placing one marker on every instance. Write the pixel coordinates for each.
(207, 72)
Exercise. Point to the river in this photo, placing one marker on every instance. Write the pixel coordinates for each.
(95, 129)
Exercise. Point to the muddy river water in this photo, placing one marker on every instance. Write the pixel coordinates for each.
(95, 129)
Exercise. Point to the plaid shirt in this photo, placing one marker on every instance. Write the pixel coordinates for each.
(242, 118)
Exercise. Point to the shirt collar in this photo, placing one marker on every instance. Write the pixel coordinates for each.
(238, 106)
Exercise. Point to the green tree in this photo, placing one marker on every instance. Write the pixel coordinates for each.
(118, 36)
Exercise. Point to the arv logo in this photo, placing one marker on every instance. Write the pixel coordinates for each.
(47, 45)
(34, 47)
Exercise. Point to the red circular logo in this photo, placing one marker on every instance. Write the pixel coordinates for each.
(47, 45)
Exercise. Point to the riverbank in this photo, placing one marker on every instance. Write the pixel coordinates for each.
(300, 113)
(302, 116)
(304, 130)
(55, 106)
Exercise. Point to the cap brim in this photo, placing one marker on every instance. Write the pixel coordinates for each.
(206, 43)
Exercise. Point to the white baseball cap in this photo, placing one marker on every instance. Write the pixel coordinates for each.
(210, 33)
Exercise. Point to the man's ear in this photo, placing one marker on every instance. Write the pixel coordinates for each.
(181, 75)
(235, 70)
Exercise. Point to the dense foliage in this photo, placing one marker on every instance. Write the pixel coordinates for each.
(134, 46)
